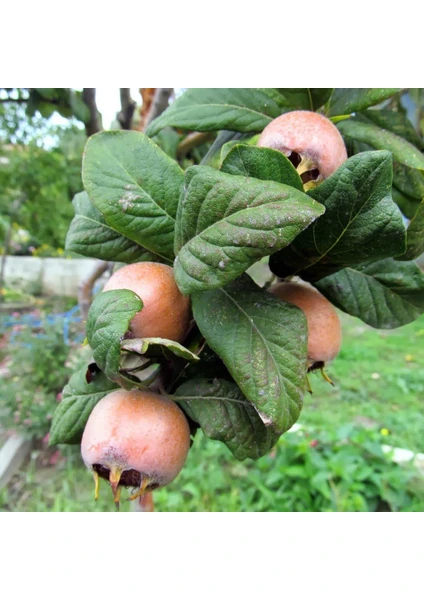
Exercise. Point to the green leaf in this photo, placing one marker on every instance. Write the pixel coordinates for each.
(385, 294)
(407, 205)
(108, 321)
(348, 100)
(79, 107)
(397, 123)
(409, 181)
(212, 109)
(382, 139)
(262, 342)
(213, 157)
(158, 347)
(361, 221)
(261, 163)
(48, 93)
(320, 96)
(225, 223)
(135, 186)
(224, 414)
(78, 400)
(306, 98)
(415, 236)
(168, 139)
(228, 146)
(90, 235)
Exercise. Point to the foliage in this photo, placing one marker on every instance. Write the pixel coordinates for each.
(43, 182)
(37, 373)
(245, 203)
(13, 294)
(24, 112)
(40, 167)
(243, 374)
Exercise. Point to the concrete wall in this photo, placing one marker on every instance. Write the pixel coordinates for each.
(57, 276)
(60, 276)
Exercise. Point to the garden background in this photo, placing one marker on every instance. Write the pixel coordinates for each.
(339, 459)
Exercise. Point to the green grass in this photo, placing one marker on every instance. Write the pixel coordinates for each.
(379, 378)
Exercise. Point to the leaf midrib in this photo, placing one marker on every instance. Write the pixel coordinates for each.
(253, 327)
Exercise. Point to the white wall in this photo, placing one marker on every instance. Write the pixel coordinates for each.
(58, 276)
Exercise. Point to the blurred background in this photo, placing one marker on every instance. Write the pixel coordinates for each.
(358, 446)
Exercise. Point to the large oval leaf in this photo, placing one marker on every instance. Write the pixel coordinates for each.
(90, 235)
(385, 294)
(262, 342)
(224, 414)
(382, 139)
(212, 109)
(344, 101)
(396, 122)
(361, 221)
(225, 223)
(135, 186)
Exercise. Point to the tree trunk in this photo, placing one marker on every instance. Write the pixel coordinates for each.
(94, 124)
(128, 105)
(85, 288)
(159, 104)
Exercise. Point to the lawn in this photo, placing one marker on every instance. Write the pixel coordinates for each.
(378, 381)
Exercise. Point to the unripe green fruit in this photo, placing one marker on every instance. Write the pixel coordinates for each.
(135, 439)
(166, 312)
(310, 141)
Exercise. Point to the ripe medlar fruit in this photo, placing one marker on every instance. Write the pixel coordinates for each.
(135, 439)
(310, 141)
(166, 312)
(324, 329)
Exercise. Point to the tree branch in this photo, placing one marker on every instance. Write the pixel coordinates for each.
(159, 104)
(85, 288)
(14, 100)
(94, 124)
(128, 105)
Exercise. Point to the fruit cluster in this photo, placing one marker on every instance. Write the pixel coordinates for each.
(139, 438)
